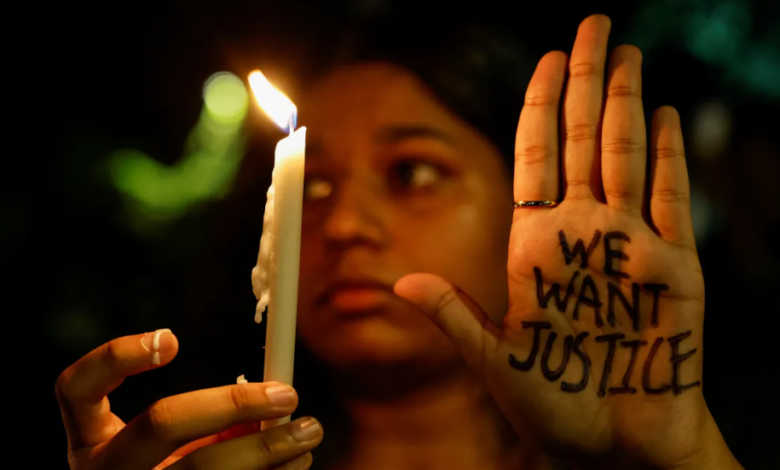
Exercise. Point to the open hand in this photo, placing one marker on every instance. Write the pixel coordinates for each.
(599, 357)
(214, 428)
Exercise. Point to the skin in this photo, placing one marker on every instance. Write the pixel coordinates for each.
(405, 377)
(461, 278)
(379, 222)
(600, 154)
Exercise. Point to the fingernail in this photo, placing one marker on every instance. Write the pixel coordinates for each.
(156, 341)
(280, 395)
(305, 429)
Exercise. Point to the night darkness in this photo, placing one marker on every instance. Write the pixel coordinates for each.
(132, 76)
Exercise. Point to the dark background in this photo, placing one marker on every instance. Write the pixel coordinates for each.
(130, 75)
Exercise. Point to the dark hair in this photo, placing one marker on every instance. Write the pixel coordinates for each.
(477, 70)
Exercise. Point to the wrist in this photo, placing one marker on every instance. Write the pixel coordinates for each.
(710, 453)
(713, 453)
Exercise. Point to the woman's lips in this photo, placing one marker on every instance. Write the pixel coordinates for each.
(359, 299)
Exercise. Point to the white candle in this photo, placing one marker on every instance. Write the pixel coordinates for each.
(275, 278)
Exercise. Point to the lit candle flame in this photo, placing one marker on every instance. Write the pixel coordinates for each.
(275, 103)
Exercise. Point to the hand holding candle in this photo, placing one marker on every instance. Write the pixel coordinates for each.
(275, 278)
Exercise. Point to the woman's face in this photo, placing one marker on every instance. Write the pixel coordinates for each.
(395, 184)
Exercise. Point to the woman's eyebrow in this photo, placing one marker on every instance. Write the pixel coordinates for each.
(394, 134)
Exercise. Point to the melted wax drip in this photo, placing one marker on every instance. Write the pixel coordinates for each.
(261, 273)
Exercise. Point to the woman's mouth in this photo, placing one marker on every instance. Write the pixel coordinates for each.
(359, 296)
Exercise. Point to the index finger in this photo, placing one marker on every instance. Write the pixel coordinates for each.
(82, 388)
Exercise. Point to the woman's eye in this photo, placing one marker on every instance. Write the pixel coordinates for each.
(316, 188)
(415, 175)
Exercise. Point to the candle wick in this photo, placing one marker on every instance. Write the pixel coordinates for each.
(292, 123)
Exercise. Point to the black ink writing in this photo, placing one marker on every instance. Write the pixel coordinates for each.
(554, 292)
(579, 248)
(646, 372)
(611, 341)
(625, 384)
(612, 253)
(588, 295)
(528, 364)
(577, 350)
(553, 375)
(632, 309)
(676, 359)
(592, 301)
(656, 290)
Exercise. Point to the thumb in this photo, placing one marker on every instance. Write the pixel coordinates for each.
(454, 311)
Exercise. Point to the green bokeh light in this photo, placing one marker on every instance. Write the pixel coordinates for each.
(225, 97)
(717, 36)
(720, 33)
(156, 194)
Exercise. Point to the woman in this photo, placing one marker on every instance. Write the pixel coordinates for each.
(584, 345)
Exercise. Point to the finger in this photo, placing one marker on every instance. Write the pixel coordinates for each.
(82, 388)
(670, 194)
(623, 143)
(274, 446)
(582, 109)
(238, 430)
(231, 433)
(175, 421)
(536, 145)
(457, 314)
(299, 463)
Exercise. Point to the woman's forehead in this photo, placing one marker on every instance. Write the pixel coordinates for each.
(358, 108)
(371, 95)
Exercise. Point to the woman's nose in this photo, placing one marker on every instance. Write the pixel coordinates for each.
(356, 216)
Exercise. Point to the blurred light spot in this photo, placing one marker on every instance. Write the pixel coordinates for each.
(157, 194)
(705, 216)
(711, 130)
(225, 97)
(718, 32)
(762, 69)
(317, 188)
(716, 36)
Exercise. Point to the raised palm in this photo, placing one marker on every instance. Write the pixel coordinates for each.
(599, 356)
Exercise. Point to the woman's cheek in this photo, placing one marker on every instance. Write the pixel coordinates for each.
(471, 245)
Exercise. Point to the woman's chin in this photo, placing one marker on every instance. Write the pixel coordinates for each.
(377, 341)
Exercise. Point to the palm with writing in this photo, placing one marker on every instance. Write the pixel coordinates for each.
(599, 357)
